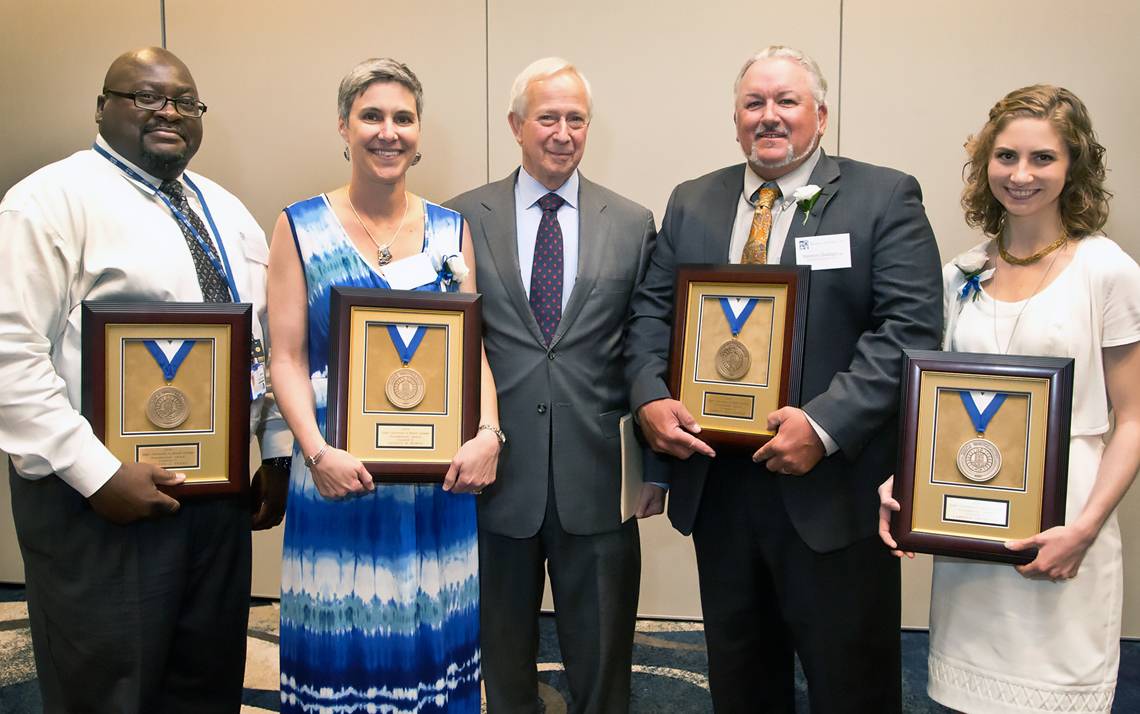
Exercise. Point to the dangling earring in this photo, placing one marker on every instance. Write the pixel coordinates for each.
(416, 158)
(346, 153)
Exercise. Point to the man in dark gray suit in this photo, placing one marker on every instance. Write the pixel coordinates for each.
(558, 260)
(785, 546)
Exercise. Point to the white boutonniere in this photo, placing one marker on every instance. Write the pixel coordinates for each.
(805, 198)
(972, 264)
(451, 268)
(457, 266)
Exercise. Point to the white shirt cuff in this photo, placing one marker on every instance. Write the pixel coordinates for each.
(829, 444)
(94, 466)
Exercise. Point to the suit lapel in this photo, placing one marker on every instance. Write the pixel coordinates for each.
(721, 214)
(593, 235)
(500, 230)
(826, 176)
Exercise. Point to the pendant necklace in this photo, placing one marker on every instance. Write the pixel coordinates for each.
(383, 254)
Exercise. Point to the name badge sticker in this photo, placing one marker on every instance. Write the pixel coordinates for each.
(257, 384)
(830, 252)
(410, 272)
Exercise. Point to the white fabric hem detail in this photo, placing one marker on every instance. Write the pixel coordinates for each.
(966, 689)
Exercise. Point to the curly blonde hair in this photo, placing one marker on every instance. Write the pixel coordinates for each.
(1084, 199)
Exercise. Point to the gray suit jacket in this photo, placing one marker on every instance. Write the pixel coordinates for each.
(859, 319)
(560, 405)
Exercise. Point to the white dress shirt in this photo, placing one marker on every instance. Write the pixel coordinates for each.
(80, 229)
(782, 213)
(528, 214)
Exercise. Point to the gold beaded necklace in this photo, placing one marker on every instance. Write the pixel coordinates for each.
(1014, 260)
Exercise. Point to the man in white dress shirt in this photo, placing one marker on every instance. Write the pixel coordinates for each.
(136, 603)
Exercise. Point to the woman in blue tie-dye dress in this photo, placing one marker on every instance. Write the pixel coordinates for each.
(380, 587)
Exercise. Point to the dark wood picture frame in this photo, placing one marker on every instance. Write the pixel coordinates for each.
(796, 278)
(97, 315)
(1058, 372)
(341, 303)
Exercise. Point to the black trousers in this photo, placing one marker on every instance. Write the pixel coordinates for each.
(594, 580)
(149, 617)
(767, 596)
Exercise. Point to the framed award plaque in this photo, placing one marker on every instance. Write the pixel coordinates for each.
(168, 384)
(983, 452)
(404, 371)
(737, 349)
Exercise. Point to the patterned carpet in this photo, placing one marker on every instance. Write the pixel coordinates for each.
(669, 671)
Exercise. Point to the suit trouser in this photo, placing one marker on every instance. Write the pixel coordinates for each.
(767, 596)
(148, 617)
(594, 580)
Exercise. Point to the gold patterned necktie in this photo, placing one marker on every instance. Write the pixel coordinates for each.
(756, 249)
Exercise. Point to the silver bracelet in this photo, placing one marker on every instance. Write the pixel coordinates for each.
(496, 431)
(313, 460)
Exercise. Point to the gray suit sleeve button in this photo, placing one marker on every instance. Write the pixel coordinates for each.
(541, 408)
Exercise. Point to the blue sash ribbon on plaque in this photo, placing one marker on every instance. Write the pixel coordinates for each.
(406, 350)
(981, 417)
(169, 363)
(736, 320)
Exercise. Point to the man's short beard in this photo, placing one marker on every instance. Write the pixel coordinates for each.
(755, 160)
(162, 165)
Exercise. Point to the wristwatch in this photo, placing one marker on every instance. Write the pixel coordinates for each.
(497, 432)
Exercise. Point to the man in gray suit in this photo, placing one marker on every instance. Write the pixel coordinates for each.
(786, 551)
(558, 260)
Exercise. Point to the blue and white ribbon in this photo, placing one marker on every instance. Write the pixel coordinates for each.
(170, 359)
(737, 311)
(981, 417)
(407, 348)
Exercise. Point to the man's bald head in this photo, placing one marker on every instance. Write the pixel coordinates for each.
(132, 60)
(161, 142)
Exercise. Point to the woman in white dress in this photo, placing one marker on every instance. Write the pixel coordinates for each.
(1043, 637)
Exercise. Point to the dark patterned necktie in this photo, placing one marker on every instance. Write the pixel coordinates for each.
(213, 285)
(546, 274)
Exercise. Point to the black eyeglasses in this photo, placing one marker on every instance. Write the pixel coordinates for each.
(186, 106)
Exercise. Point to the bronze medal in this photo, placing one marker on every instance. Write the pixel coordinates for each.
(167, 407)
(733, 360)
(405, 388)
(979, 460)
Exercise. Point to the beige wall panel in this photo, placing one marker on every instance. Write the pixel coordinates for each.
(920, 77)
(269, 72)
(662, 76)
(11, 564)
(54, 55)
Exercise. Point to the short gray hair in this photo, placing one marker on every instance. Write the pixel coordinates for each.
(371, 71)
(819, 84)
(541, 69)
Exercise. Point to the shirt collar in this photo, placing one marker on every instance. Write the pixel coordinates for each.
(530, 190)
(788, 183)
(152, 180)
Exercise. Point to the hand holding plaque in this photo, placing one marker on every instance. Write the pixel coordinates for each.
(983, 453)
(737, 348)
(166, 384)
(404, 376)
